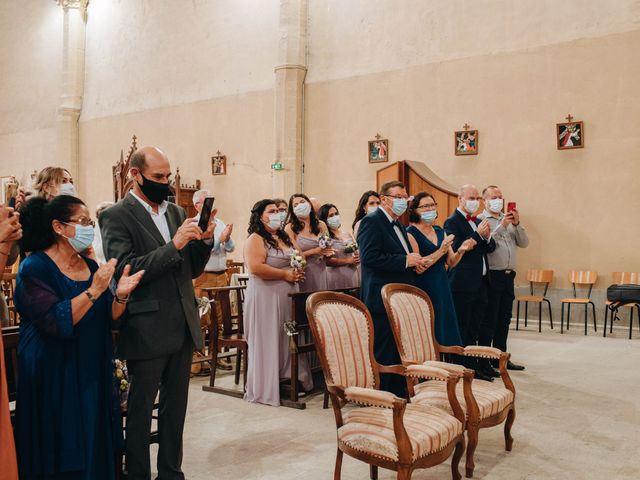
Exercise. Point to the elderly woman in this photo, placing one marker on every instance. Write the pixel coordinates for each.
(67, 416)
(267, 305)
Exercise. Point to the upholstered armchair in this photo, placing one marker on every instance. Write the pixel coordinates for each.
(383, 430)
(485, 404)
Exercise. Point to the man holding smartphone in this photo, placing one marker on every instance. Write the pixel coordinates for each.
(509, 234)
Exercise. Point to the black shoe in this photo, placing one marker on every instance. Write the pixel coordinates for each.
(491, 373)
(513, 366)
(481, 376)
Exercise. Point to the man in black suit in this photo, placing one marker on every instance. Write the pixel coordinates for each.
(386, 257)
(161, 325)
(469, 279)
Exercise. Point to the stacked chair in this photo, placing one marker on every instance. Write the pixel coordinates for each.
(485, 404)
(385, 431)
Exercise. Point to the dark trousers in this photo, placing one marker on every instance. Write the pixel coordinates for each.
(170, 374)
(471, 308)
(501, 295)
(386, 353)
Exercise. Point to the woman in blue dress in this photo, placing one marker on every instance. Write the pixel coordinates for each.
(431, 242)
(68, 422)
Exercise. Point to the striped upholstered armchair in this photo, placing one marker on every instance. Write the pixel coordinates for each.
(485, 404)
(384, 431)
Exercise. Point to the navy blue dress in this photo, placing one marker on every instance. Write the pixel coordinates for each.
(436, 283)
(68, 423)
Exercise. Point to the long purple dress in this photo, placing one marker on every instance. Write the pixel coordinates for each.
(344, 276)
(315, 275)
(267, 307)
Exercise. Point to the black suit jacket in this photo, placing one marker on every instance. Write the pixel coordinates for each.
(163, 305)
(382, 259)
(467, 275)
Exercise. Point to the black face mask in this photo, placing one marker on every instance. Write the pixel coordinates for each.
(154, 191)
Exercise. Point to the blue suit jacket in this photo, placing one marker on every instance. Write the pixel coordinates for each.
(382, 259)
(467, 275)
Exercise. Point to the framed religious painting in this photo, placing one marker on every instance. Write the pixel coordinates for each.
(219, 164)
(466, 141)
(378, 150)
(570, 135)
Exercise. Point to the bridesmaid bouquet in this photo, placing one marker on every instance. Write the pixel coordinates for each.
(325, 241)
(297, 261)
(121, 380)
(351, 247)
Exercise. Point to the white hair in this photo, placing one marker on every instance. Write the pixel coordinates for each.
(200, 195)
(464, 188)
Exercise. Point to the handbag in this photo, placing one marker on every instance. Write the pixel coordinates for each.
(620, 295)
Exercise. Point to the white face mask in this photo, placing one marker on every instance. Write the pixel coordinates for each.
(67, 189)
(471, 206)
(334, 222)
(495, 205)
(372, 208)
(302, 210)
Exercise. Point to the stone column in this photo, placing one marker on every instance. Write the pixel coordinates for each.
(74, 32)
(289, 97)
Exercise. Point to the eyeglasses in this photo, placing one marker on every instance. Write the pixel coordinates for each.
(85, 222)
(428, 205)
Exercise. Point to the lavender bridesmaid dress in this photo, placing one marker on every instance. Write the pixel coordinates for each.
(343, 276)
(267, 307)
(316, 271)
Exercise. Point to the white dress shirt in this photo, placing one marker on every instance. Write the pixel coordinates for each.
(398, 233)
(160, 219)
(475, 229)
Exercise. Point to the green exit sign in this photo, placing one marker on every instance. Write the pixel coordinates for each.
(277, 166)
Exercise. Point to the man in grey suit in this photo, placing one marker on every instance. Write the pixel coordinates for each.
(161, 326)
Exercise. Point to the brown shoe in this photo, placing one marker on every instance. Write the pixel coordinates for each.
(223, 365)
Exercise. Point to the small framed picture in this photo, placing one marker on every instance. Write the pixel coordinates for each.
(570, 135)
(219, 164)
(9, 189)
(466, 141)
(378, 150)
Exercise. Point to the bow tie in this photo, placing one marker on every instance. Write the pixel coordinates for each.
(472, 218)
(396, 223)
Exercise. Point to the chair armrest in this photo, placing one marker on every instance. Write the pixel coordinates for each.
(370, 397)
(430, 372)
(451, 349)
(482, 352)
(397, 369)
(449, 367)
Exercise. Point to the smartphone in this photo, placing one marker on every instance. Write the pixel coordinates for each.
(511, 206)
(205, 213)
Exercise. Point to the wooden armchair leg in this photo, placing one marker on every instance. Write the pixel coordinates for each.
(472, 443)
(338, 468)
(508, 439)
(214, 364)
(325, 400)
(404, 472)
(238, 365)
(373, 472)
(455, 461)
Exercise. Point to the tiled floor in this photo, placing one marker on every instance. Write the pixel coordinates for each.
(578, 418)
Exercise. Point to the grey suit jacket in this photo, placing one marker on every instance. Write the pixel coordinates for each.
(154, 322)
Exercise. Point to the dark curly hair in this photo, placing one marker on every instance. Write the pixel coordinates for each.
(36, 216)
(296, 224)
(323, 215)
(256, 225)
(414, 216)
(361, 211)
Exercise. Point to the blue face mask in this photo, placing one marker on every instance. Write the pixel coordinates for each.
(83, 237)
(274, 221)
(399, 206)
(334, 222)
(429, 217)
(283, 216)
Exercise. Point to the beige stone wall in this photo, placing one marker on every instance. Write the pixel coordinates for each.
(30, 72)
(194, 77)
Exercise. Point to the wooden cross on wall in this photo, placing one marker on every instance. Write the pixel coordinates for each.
(569, 118)
(378, 136)
(466, 127)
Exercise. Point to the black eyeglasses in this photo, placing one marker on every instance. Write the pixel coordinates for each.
(84, 222)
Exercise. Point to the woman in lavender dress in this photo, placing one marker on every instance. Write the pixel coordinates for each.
(305, 229)
(267, 255)
(342, 267)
